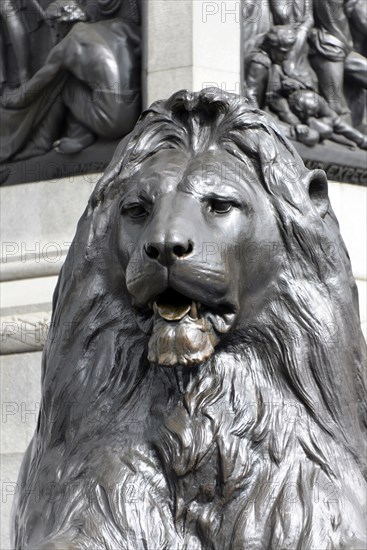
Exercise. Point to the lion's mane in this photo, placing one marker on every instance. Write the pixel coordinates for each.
(260, 447)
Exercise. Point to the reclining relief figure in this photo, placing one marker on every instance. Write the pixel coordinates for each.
(203, 382)
(88, 88)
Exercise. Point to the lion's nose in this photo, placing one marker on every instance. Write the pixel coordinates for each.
(168, 252)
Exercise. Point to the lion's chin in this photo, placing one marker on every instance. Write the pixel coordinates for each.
(188, 342)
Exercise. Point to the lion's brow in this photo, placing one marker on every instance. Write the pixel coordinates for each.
(144, 195)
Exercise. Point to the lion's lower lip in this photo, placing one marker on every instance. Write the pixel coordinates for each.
(174, 306)
(171, 312)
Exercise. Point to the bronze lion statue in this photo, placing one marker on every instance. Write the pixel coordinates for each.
(203, 383)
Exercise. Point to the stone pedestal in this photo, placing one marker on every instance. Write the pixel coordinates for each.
(190, 44)
(20, 402)
(350, 206)
(38, 222)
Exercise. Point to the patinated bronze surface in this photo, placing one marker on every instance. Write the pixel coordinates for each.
(203, 381)
(86, 88)
(305, 61)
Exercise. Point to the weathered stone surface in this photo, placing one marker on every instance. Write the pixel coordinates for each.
(38, 236)
(10, 464)
(349, 203)
(20, 398)
(362, 294)
(184, 46)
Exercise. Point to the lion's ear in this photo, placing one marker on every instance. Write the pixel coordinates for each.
(316, 184)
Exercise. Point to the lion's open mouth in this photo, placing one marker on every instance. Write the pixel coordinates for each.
(184, 331)
(174, 306)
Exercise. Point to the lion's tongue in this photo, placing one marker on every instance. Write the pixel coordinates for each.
(171, 312)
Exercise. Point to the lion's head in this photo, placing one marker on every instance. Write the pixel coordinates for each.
(197, 231)
(208, 245)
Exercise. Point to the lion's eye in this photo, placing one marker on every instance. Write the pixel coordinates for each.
(135, 211)
(220, 207)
